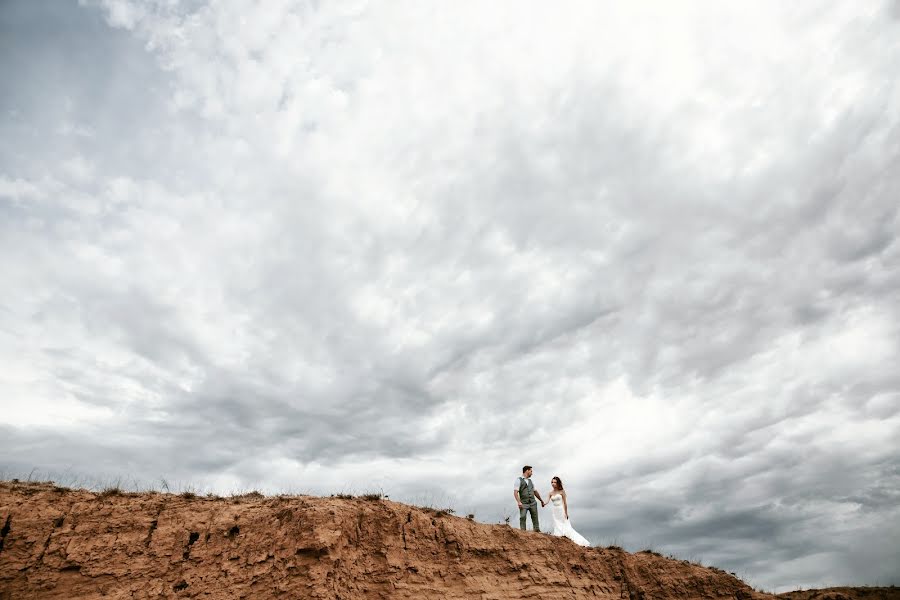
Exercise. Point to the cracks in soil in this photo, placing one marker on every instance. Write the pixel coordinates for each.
(57, 523)
(192, 537)
(153, 525)
(5, 531)
(403, 529)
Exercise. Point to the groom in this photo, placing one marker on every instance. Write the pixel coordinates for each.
(525, 493)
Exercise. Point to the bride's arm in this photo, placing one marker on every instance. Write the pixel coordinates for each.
(565, 504)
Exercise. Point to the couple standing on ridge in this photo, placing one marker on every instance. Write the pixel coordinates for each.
(525, 494)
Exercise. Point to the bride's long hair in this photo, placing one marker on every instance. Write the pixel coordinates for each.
(558, 482)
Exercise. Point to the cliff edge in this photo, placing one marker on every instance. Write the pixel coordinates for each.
(76, 544)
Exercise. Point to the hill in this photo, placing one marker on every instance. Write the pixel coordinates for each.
(77, 544)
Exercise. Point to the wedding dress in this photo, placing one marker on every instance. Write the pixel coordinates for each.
(561, 525)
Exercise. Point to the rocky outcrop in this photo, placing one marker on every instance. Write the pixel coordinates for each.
(76, 544)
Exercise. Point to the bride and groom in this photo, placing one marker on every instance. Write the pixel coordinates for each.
(525, 495)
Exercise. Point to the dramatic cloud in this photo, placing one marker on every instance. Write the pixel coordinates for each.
(650, 248)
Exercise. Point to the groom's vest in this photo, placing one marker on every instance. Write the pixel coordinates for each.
(526, 491)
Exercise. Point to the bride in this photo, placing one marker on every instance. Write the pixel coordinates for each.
(561, 525)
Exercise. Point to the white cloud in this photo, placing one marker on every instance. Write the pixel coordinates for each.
(327, 248)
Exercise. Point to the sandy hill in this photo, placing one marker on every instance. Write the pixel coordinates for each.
(73, 544)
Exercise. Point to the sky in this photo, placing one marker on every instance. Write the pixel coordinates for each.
(652, 248)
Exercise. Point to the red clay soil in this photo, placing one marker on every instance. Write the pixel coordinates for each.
(845, 593)
(77, 544)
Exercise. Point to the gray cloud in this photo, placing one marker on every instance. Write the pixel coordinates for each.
(651, 251)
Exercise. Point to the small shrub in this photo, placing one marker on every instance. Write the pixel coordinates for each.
(188, 495)
(111, 491)
(246, 496)
(371, 497)
(470, 516)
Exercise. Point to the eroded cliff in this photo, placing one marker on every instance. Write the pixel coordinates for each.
(76, 544)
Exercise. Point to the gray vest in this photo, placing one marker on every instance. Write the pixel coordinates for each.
(526, 491)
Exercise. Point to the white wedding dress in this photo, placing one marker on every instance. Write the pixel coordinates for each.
(561, 525)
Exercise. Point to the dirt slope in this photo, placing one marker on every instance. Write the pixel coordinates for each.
(73, 544)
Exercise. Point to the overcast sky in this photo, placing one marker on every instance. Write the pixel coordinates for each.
(652, 248)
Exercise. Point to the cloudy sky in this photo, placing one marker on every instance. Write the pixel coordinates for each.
(652, 248)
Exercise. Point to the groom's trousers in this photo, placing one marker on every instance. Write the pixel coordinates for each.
(529, 508)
